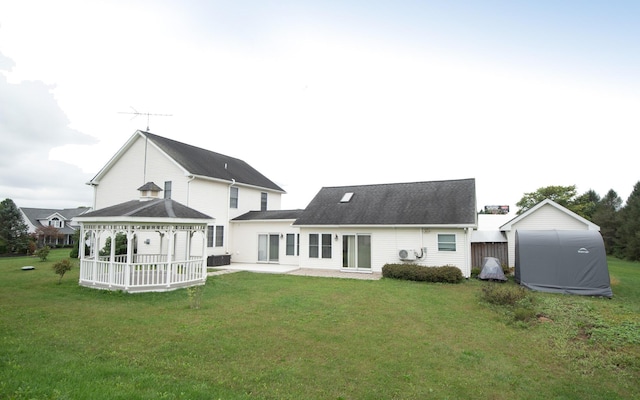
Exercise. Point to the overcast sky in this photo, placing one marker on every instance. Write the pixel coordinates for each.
(516, 94)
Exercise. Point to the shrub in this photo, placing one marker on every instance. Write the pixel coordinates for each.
(503, 294)
(61, 267)
(524, 314)
(415, 272)
(43, 253)
(475, 271)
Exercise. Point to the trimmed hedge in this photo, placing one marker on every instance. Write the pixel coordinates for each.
(415, 272)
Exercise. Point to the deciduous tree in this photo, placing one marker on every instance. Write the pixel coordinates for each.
(47, 235)
(563, 195)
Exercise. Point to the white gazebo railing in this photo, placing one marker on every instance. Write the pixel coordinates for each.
(141, 274)
(171, 268)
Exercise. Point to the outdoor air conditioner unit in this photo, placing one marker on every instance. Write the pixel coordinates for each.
(407, 255)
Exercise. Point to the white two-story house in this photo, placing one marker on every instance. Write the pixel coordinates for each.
(355, 228)
(217, 185)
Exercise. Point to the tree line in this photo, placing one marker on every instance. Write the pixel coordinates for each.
(619, 224)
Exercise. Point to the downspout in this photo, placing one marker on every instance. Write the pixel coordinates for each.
(226, 242)
(191, 177)
(468, 249)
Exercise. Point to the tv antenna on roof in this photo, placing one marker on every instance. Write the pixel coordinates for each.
(135, 113)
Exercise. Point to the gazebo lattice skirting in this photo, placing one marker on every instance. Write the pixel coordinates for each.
(160, 257)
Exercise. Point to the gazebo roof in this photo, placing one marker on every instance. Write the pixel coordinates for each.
(159, 209)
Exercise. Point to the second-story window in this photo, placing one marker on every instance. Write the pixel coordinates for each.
(233, 197)
(263, 201)
(167, 189)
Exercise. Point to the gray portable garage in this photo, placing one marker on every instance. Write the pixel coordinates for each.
(572, 262)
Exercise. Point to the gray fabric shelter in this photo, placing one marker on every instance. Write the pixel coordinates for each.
(492, 270)
(572, 262)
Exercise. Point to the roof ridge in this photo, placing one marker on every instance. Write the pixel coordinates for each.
(154, 136)
(144, 205)
(397, 183)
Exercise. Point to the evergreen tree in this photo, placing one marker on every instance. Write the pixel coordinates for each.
(13, 231)
(629, 231)
(606, 215)
(586, 204)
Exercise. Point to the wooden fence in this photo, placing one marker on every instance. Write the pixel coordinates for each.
(482, 250)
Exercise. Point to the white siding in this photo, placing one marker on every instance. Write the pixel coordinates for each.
(244, 240)
(546, 217)
(120, 183)
(386, 243)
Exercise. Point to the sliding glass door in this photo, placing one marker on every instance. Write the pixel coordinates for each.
(356, 251)
(269, 247)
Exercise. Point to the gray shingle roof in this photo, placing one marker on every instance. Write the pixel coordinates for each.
(35, 215)
(451, 202)
(269, 215)
(160, 208)
(207, 163)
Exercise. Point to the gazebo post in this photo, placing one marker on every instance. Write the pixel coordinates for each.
(170, 255)
(112, 256)
(127, 267)
(94, 243)
(204, 255)
(81, 249)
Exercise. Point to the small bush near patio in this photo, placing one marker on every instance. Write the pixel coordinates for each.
(415, 272)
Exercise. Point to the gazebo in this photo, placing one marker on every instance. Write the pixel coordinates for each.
(146, 245)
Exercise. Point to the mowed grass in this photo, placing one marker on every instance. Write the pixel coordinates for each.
(261, 336)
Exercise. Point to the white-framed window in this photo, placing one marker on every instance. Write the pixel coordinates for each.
(293, 244)
(263, 201)
(215, 236)
(167, 189)
(219, 235)
(320, 245)
(233, 197)
(446, 242)
(210, 235)
(55, 222)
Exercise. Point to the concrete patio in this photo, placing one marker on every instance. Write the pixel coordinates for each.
(293, 270)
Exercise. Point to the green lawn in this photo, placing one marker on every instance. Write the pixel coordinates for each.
(260, 336)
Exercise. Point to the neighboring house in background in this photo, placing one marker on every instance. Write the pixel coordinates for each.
(546, 215)
(217, 185)
(61, 219)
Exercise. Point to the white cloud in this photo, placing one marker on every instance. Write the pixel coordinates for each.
(31, 125)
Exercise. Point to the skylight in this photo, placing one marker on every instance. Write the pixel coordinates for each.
(347, 197)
